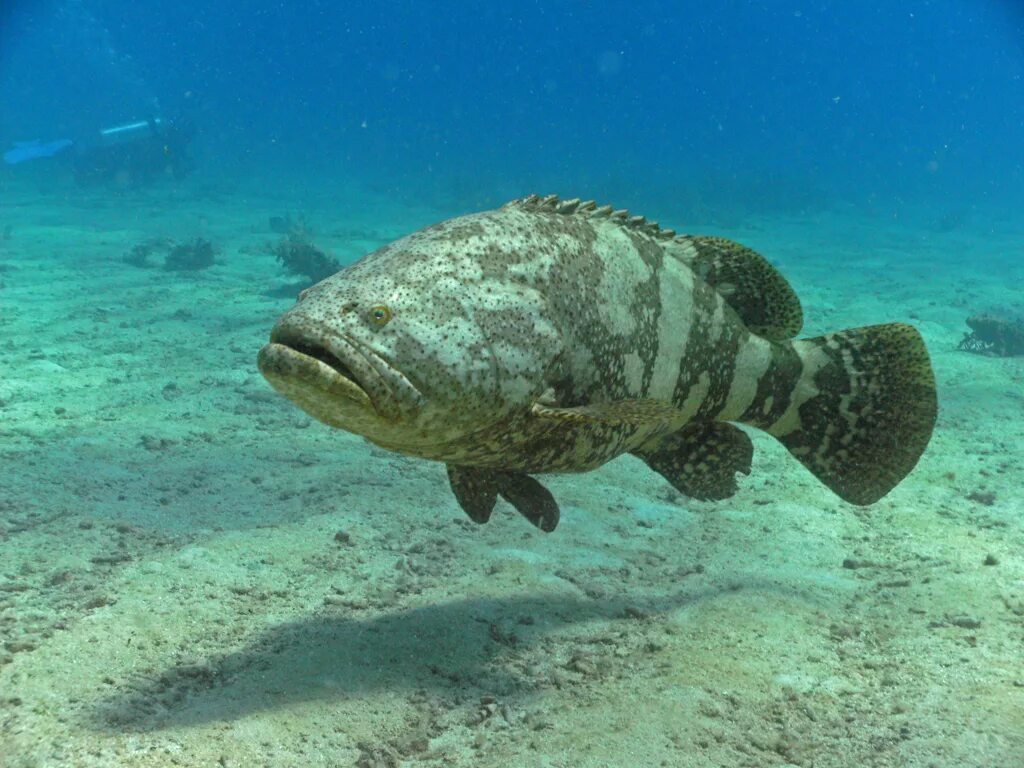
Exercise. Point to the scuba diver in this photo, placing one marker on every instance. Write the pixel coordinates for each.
(127, 156)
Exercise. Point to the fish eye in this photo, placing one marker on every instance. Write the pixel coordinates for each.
(380, 314)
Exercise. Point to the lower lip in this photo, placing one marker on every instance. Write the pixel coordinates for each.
(284, 368)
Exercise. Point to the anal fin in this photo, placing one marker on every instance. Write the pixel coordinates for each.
(701, 460)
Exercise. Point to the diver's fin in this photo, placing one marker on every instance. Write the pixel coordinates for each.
(701, 460)
(30, 150)
(863, 409)
(613, 413)
(757, 291)
(477, 488)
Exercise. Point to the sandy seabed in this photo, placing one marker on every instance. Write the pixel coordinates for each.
(194, 573)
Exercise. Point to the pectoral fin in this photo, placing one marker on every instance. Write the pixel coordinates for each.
(616, 413)
(477, 489)
(701, 460)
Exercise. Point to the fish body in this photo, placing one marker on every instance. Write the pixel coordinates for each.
(555, 335)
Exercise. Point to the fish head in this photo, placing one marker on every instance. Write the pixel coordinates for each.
(413, 346)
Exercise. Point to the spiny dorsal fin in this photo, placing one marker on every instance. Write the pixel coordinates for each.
(753, 288)
(590, 209)
(759, 294)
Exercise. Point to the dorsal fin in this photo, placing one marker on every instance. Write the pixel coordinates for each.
(762, 298)
(759, 294)
(588, 208)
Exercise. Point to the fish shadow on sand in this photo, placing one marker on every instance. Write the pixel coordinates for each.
(470, 647)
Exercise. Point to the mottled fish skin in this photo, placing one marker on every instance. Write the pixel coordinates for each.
(553, 336)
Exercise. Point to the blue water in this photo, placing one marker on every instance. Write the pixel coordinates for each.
(742, 105)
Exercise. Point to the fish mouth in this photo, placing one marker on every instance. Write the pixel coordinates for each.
(334, 378)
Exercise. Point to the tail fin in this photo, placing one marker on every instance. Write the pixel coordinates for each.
(863, 409)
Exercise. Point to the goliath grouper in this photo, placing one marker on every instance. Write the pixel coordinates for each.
(554, 335)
